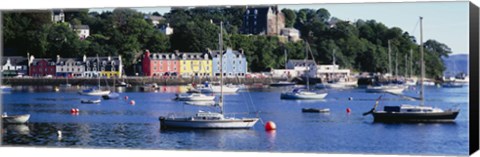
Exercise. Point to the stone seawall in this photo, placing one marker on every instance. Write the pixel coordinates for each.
(132, 81)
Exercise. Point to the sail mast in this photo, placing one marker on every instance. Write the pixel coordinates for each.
(422, 64)
(220, 43)
(389, 59)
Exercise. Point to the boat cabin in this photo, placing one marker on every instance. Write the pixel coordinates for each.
(208, 116)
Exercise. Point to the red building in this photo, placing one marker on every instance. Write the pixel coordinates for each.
(160, 64)
(42, 67)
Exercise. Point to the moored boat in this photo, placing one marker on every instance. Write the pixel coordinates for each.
(94, 101)
(194, 97)
(15, 119)
(386, 89)
(282, 84)
(316, 110)
(299, 93)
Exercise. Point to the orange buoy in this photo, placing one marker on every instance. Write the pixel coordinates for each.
(348, 110)
(132, 102)
(269, 126)
(126, 97)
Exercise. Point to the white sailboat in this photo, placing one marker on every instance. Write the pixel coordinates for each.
(209, 120)
(414, 113)
(95, 91)
(387, 88)
(194, 97)
(341, 83)
(298, 93)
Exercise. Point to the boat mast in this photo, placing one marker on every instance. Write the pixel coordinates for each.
(389, 59)
(406, 67)
(306, 71)
(396, 65)
(98, 69)
(220, 44)
(422, 64)
(285, 51)
(411, 64)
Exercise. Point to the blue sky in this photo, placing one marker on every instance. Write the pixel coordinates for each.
(446, 22)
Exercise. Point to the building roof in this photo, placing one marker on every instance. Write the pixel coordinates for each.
(15, 60)
(81, 27)
(235, 52)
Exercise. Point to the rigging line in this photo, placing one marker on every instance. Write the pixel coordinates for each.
(415, 27)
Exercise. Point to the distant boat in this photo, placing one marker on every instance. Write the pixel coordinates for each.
(413, 113)
(16, 119)
(299, 93)
(337, 85)
(111, 96)
(282, 84)
(94, 92)
(226, 88)
(452, 84)
(316, 110)
(151, 86)
(95, 101)
(390, 88)
(5, 88)
(194, 97)
(123, 84)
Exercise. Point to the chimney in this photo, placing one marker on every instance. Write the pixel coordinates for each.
(84, 58)
(58, 58)
(241, 51)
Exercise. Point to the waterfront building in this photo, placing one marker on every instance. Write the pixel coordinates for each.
(331, 72)
(39, 67)
(14, 66)
(234, 63)
(103, 66)
(263, 20)
(302, 67)
(83, 31)
(160, 64)
(194, 64)
(69, 67)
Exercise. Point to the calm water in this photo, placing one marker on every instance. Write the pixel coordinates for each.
(117, 124)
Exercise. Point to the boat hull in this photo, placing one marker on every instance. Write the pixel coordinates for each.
(245, 123)
(398, 89)
(187, 97)
(302, 96)
(96, 93)
(447, 116)
(18, 119)
(226, 89)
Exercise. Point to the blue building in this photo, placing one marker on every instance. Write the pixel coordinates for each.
(234, 63)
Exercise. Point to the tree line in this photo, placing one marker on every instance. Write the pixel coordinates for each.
(360, 45)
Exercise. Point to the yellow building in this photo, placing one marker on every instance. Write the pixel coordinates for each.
(195, 64)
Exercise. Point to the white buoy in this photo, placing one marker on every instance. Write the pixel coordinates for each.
(59, 134)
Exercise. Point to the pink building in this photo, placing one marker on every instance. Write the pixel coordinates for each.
(42, 67)
(160, 64)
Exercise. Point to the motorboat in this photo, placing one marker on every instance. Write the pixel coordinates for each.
(390, 88)
(111, 95)
(194, 97)
(94, 101)
(452, 84)
(316, 110)
(15, 119)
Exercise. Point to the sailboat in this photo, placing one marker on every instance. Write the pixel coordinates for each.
(341, 83)
(300, 93)
(95, 91)
(390, 87)
(209, 120)
(112, 95)
(413, 113)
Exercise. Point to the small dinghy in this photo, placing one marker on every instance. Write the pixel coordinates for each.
(16, 119)
(316, 110)
(91, 101)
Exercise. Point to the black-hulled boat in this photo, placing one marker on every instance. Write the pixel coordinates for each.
(414, 113)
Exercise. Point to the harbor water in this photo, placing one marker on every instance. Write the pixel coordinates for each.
(120, 124)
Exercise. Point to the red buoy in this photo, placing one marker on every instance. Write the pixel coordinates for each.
(348, 110)
(132, 102)
(77, 110)
(72, 110)
(269, 126)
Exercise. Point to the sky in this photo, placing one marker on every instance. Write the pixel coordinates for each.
(446, 22)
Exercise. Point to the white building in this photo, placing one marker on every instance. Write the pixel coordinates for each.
(302, 66)
(166, 29)
(83, 31)
(14, 65)
(69, 67)
(331, 72)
